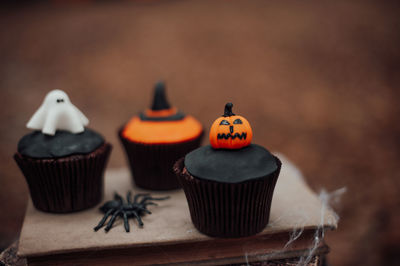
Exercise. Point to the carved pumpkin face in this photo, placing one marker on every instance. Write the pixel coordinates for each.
(230, 131)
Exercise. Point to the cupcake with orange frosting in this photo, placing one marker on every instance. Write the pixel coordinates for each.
(155, 139)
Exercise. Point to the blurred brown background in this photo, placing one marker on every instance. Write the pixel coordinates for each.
(319, 81)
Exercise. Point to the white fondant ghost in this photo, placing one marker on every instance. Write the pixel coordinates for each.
(57, 113)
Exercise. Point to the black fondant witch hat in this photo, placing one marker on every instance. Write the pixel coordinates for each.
(160, 103)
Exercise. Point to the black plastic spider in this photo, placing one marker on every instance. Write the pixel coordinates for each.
(128, 209)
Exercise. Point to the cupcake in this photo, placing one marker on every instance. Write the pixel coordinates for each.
(229, 184)
(155, 139)
(63, 162)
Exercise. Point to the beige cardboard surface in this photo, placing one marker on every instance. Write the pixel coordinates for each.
(294, 205)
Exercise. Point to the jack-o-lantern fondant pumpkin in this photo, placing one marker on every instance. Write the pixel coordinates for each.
(156, 138)
(230, 131)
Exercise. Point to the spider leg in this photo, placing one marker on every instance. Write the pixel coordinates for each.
(118, 197)
(103, 220)
(145, 199)
(138, 218)
(149, 203)
(162, 198)
(139, 195)
(144, 209)
(126, 223)
(128, 197)
(111, 222)
(151, 198)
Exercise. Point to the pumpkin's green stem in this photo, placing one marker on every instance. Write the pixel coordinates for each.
(228, 110)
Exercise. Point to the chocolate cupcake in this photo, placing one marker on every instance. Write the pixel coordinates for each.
(229, 184)
(155, 139)
(63, 162)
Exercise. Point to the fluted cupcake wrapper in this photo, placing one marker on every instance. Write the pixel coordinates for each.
(66, 184)
(228, 210)
(151, 164)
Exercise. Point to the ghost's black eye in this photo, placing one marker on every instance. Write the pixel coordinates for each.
(60, 100)
(224, 122)
(237, 121)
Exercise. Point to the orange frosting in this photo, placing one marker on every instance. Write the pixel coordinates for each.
(159, 132)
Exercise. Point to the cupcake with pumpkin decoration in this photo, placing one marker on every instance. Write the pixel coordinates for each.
(229, 184)
(155, 139)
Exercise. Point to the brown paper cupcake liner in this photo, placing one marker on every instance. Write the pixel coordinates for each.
(66, 184)
(151, 164)
(228, 210)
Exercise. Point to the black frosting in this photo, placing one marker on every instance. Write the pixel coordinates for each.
(63, 143)
(230, 166)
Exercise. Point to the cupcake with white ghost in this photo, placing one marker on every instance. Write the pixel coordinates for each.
(62, 160)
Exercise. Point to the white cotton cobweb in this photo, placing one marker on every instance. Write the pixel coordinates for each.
(327, 199)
